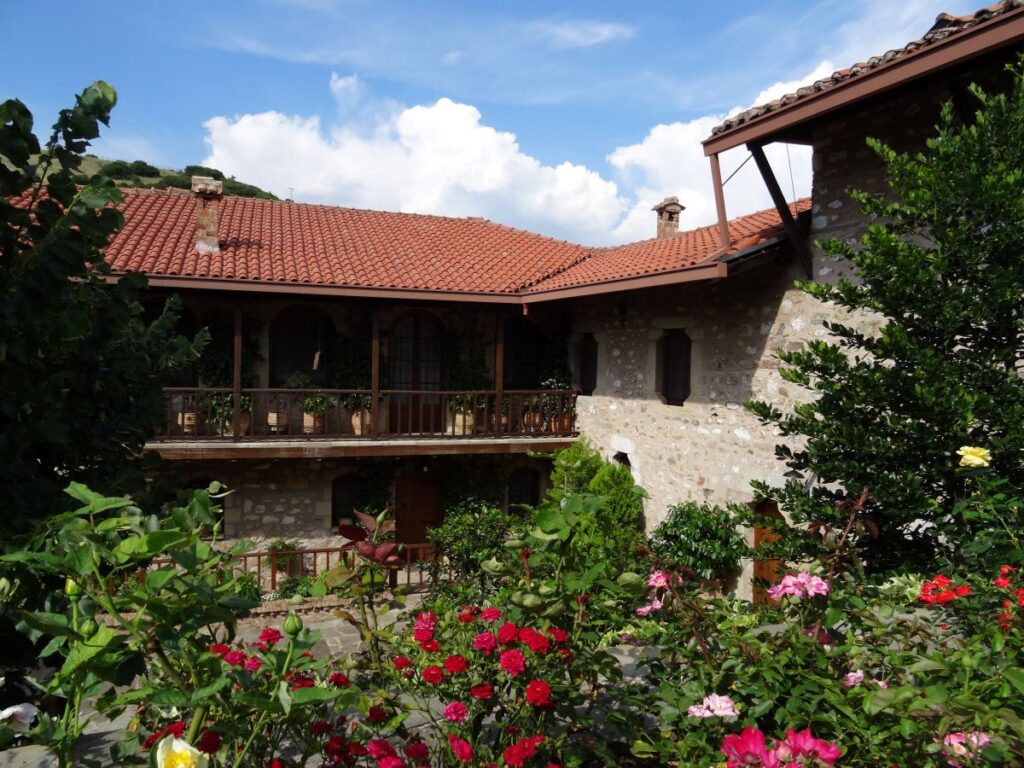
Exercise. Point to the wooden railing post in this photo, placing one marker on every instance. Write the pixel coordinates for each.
(236, 399)
(499, 373)
(375, 377)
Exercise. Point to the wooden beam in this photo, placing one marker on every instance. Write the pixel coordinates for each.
(375, 376)
(499, 372)
(724, 241)
(236, 384)
(208, 450)
(796, 239)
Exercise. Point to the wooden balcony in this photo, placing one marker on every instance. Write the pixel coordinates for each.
(217, 423)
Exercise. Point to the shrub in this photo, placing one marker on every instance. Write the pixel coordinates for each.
(573, 470)
(118, 169)
(473, 531)
(294, 586)
(702, 538)
(202, 170)
(247, 586)
(142, 168)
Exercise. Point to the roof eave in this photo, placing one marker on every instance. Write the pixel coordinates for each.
(986, 37)
(712, 271)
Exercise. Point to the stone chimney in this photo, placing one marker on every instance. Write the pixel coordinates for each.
(668, 216)
(208, 193)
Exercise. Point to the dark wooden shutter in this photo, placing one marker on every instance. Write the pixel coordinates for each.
(588, 364)
(675, 367)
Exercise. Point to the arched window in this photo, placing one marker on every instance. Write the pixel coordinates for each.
(415, 365)
(524, 487)
(524, 353)
(674, 353)
(299, 341)
(344, 499)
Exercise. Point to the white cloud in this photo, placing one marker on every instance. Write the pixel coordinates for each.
(671, 161)
(441, 158)
(438, 158)
(582, 34)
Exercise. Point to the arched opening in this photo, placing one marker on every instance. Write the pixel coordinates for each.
(524, 487)
(300, 338)
(345, 495)
(415, 366)
(524, 354)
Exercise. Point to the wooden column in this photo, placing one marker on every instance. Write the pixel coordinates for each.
(499, 372)
(375, 377)
(723, 221)
(795, 237)
(236, 414)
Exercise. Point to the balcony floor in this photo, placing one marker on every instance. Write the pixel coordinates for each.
(320, 448)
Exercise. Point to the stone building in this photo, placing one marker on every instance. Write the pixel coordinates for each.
(433, 352)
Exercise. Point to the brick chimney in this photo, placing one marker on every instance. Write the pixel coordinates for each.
(208, 193)
(668, 216)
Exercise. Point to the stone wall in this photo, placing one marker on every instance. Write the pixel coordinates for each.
(711, 448)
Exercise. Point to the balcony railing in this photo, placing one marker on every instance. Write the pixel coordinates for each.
(291, 414)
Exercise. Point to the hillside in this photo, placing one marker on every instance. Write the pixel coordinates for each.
(139, 173)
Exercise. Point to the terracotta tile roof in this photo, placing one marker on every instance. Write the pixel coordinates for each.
(281, 242)
(268, 241)
(945, 26)
(693, 248)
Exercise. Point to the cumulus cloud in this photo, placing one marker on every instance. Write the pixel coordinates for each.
(438, 158)
(442, 158)
(670, 161)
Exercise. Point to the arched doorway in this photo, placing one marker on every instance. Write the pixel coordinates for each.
(415, 369)
(524, 487)
(300, 338)
(417, 505)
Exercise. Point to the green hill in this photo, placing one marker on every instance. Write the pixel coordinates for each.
(139, 173)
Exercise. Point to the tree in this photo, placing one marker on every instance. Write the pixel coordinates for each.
(942, 270)
(80, 370)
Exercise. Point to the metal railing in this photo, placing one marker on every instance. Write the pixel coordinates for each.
(264, 414)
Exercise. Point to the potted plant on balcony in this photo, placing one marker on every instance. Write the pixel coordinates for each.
(352, 370)
(556, 405)
(315, 405)
(220, 407)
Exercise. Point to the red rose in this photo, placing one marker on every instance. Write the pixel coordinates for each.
(433, 675)
(558, 635)
(534, 640)
(357, 750)
(467, 618)
(376, 715)
(962, 591)
(490, 614)
(522, 750)
(320, 727)
(482, 691)
(235, 658)
(378, 748)
(302, 681)
(219, 649)
(268, 637)
(209, 742)
(400, 662)
(508, 634)
(339, 680)
(455, 664)
(463, 751)
(423, 630)
(512, 662)
(430, 646)
(391, 761)
(485, 642)
(417, 750)
(538, 693)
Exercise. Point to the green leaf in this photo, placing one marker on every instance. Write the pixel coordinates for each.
(285, 697)
(210, 689)
(158, 579)
(1015, 675)
(312, 695)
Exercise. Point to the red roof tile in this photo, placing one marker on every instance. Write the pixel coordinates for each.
(279, 242)
(283, 242)
(683, 250)
(945, 26)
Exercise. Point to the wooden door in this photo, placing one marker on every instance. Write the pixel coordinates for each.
(417, 506)
(415, 364)
(766, 571)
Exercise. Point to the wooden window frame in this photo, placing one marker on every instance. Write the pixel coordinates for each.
(673, 342)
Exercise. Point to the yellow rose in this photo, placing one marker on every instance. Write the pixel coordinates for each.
(177, 753)
(971, 456)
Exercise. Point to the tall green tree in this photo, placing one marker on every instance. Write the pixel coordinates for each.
(80, 370)
(941, 269)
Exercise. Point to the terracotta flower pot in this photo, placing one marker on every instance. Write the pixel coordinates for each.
(463, 423)
(361, 422)
(277, 421)
(312, 424)
(187, 422)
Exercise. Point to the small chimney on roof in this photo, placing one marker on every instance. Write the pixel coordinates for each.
(208, 193)
(668, 216)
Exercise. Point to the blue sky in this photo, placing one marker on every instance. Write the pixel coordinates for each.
(570, 118)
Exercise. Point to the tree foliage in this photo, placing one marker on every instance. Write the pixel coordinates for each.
(941, 269)
(80, 369)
